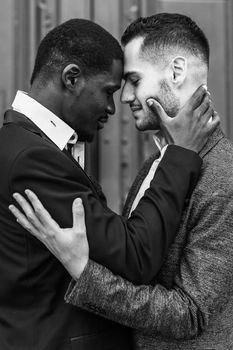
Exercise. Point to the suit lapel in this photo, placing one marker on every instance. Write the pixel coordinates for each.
(137, 184)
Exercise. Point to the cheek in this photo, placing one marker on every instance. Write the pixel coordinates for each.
(100, 103)
(146, 91)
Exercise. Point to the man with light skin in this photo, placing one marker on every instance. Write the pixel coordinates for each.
(188, 305)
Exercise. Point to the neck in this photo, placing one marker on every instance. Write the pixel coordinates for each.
(189, 89)
(47, 97)
(196, 76)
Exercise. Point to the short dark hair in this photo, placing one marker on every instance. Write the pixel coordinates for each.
(77, 41)
(166, 30)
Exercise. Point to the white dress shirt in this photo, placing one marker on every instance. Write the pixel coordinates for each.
(53, 127)
(162, 146)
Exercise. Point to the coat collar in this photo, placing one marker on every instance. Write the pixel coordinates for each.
(214, 138)
(14, 117)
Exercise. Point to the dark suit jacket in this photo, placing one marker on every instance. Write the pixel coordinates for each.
(33, 314)
(190, 303)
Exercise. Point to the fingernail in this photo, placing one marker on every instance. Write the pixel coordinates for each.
(10, 207)
(149, 102)
(15, 195)
(27, 191)
(205, 86)
(77, 201)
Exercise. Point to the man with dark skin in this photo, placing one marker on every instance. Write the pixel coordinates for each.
(71, 98)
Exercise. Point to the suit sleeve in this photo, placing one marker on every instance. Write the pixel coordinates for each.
(133, 248)
(202, 286)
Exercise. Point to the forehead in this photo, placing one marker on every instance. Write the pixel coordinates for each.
(117, 71)
(113, 77)
(133, 60)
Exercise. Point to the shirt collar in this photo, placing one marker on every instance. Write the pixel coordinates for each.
(52, 126)
(159, 140)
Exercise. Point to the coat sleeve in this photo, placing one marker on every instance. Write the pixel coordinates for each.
(133, 248)
(202, 286)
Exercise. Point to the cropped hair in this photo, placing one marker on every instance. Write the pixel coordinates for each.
(78, 41)
(165, 31)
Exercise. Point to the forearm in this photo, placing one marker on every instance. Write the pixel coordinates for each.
(149, 309)
(133, 248)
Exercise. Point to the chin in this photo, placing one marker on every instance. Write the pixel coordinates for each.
(147, 126)
(89, 138)
(85, 138)
(141, 127)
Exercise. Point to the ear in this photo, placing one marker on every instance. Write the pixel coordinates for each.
(179, 70)
(72, 77)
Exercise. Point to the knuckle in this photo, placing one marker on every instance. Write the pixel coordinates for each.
(49, 233)
(28, 227)
(81, 233)
(37, 209)
(30, 216)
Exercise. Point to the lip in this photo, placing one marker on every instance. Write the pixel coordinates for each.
(135, 108)
(101, 121)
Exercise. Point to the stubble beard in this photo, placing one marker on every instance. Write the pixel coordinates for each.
(170, 103)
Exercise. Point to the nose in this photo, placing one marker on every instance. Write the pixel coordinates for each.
(111, 106)
(127, 93)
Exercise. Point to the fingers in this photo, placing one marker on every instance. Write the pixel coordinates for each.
(78, 216)
(40, 212)
(157, 109)
(216, 118)
(214, 122)
(22, 220)
(195, 100)
(206, 117)
(205, 109)
(27, 210)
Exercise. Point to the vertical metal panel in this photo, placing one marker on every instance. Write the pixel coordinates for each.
(33, 20)
(6, 55)
(45, 17)
(22, 42)
(74, 9)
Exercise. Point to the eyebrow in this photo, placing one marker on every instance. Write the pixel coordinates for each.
(113, 86)
(128, 74)
(117, 87)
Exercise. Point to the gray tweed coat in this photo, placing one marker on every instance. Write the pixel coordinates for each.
(190, 303)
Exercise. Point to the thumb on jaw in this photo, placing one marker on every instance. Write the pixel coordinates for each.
(78, 215)
(157, 109)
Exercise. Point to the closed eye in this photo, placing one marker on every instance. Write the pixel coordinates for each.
(110, 92)
(134, 82)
